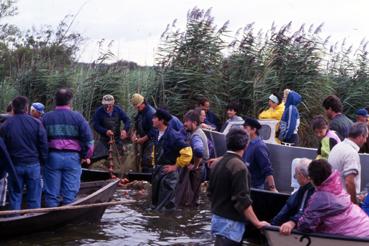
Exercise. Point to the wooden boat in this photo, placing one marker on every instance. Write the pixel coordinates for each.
(90, 193)
(310, 239)
(94, 175)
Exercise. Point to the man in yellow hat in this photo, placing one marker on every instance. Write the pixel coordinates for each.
(144, 131)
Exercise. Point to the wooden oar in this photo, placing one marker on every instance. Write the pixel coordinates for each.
(66, 207)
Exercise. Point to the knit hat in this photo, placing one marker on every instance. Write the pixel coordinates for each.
(362, 112)
(39, 107)
(137, 99)
(254, 123)
(108, 100)
(163, 115)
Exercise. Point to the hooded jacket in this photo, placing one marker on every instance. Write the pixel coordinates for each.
(291, 118)
(330, 210)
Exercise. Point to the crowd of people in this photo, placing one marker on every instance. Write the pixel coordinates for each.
(45, 152)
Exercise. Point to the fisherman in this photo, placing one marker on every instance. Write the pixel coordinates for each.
(37, 110)
(211, 119)
(257, 158)
(9, 113)
(70, 144)
(232, 111)
(229, 193)
(144, 130)
(339, 122)
(26, 140)
(170, 151)
(275, 110)
(188, 187)
(107, 122)
(345, 158)
(290, 121)
(291, 212)
(362, 116)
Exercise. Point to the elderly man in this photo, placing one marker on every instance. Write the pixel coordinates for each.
(144, 133)
(107, 122)
(170, 151)
(345, 158)
(37, 110)
(70, 143)
(229, 193)
(257, 158)
(362, 116)
(290, 214)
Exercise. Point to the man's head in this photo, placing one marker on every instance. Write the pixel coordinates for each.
(359, 133)
(191, 120)
(63, 97)
(362, 115)
(20, 105)
(108, 103)
(237, 139)
(332, 105)
(252, 127)
(9, 108)
(320, 126)
(204, 104)
(138, 101)
(37, 109)
(301, 171)
(232, 109)
(319, 171)
(274, 101)
(161, 118)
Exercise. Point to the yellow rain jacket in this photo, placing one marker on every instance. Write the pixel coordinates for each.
(272, 114)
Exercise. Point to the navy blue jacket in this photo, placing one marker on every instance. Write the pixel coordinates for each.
(100, 114)
(145, 116)
(25, 138)
(6, 166)
(175, 124)
(212, 119)
(256, 157)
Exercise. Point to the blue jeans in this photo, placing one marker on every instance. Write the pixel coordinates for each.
(230, 229)
(62, 176)
(29, 175)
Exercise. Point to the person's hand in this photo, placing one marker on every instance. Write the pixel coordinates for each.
(140, 140)
(109, 133)
(134, 138)
(262, 224)
(169, 168)
(86, 161)
(287, 228)
(274, 190)
(123, 134)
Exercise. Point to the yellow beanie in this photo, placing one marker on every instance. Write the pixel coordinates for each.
(137, 99)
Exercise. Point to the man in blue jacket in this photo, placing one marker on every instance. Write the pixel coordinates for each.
(26, 140)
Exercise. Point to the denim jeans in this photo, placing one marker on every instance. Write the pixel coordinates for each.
(230, 229)
(62, 176)
(29, 175)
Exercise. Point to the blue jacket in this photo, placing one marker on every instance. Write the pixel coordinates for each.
(175, 124)
(6, 166)
(290, 117)
(295, 205)
(256, 157)
(145, 117)
(212, 119)
(101, 114)
(25, 138)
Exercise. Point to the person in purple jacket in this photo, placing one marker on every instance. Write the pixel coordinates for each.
(70, 143)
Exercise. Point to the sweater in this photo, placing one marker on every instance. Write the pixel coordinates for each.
(229, 187)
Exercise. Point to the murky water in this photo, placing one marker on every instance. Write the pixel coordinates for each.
(132, 224)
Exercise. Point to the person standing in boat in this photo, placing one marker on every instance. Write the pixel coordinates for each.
(257, 158)
(294, 208)
(327, 138)
(339, 122)
(275, 110)
(26, 140)
(70, 144)
(290, 121)
(211, 120)
(330, 209)
(188, 188)
(232, 111)
(170, 151)
(107, 122)
(344, 157)
(229, 193)
(144, 130)
(362, 116)
(37, 110)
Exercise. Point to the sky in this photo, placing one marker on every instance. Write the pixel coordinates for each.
(135, 26)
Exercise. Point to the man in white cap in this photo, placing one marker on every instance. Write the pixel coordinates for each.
(107, 122)
(37, 110)
(144, 133)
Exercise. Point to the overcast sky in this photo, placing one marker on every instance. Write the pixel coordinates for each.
(136, 25)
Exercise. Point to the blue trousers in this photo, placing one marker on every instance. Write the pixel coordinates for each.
(30, 176)
(62, 176)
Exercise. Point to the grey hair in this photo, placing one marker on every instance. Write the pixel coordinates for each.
(303, 165)
(358, 129)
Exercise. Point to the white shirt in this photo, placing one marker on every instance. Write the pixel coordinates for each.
(344, 157)
(161, 133)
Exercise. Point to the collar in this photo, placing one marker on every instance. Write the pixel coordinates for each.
(63, 107)
(352, 144)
